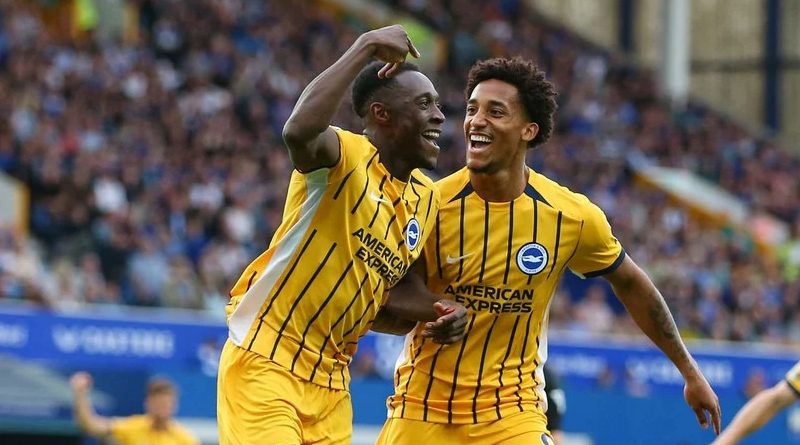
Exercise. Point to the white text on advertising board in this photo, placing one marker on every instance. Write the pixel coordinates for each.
(94, 340)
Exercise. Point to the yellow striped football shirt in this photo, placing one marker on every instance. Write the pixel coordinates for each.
(503, 261)
(348, 234)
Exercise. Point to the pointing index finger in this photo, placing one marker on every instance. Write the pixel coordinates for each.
(412, 49)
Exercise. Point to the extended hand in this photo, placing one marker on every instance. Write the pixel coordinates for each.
(450, 326)
(702, 399)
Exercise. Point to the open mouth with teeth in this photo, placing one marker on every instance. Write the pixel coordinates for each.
(432, 136)
(479, 141)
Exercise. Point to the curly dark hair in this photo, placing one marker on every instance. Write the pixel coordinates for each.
(367, 83)
(537, 94)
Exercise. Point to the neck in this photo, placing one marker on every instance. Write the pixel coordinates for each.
(159, 424)
(500, 186)
(399, 167)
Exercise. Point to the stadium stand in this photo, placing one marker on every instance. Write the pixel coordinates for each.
(156, 170)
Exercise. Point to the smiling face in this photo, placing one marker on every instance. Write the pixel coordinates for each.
(496, 127)
(416, 120)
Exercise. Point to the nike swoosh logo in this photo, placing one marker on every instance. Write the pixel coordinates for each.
(454, 260)
(377, 198)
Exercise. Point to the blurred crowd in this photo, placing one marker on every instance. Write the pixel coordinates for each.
(157, 171)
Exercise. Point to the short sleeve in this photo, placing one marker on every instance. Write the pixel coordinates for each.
(353, 149)
(598, 252)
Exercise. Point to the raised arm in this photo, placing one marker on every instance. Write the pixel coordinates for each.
(650, 312)
(88, 421)
(312, 143)
(757, 412)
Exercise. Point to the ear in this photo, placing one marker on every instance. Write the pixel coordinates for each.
(379, 112)
(530, 131)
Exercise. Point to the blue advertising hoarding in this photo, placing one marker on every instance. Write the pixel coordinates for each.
(616, 390)
(190, 341)
(113, 338)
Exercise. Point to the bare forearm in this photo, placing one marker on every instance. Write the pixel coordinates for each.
(87, 420)
(414, 305)
(83, 411)
(651, 314)
(755, 414)
(446, 323)
(410, 299)
(322, 97)
(389, 323)
(410, 302)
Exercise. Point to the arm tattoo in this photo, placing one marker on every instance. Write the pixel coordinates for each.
(665, 325)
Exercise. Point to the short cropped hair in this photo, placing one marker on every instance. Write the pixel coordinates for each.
(367, 83)
(160, 385)
(537, 94)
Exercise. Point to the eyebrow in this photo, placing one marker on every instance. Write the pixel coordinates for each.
(426, 94)
(492, 103)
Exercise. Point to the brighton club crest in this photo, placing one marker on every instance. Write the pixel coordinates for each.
(532, 258)
(412, 234)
